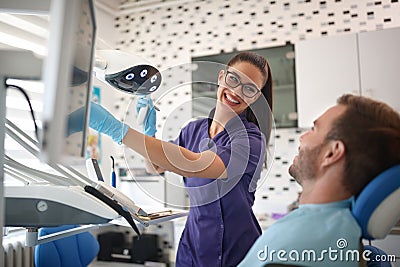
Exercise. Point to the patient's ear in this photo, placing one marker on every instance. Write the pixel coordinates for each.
(334, 152)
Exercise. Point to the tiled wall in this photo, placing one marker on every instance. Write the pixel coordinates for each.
(170, 35)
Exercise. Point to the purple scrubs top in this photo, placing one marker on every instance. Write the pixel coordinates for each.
(221, 226)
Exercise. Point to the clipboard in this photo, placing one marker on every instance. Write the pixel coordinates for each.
(155, 217)
(160, 216)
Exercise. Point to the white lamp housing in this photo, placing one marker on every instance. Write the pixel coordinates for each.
(127, 72)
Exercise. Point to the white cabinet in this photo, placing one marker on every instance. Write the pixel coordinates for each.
(325, 69)
(367, 63)
(379, 54)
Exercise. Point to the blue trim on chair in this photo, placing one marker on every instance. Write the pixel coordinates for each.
(76, 250)
(372, 196)
(376, 256)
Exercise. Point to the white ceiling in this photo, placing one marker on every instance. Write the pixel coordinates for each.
(30, 32)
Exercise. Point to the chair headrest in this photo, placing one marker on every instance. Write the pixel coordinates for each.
(377, 208)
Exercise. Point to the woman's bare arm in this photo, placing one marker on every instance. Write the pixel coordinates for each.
(152, 168)
(174, 158)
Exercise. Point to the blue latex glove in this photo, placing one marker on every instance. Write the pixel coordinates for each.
(100, 120)
(104, 122)
(149, 123)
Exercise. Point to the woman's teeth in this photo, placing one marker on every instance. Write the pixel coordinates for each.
(231, 100)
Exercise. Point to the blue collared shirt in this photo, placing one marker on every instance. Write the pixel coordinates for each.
(312, 235)
(221, 226)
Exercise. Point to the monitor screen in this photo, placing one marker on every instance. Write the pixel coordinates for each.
(67, 80)
(81, 87)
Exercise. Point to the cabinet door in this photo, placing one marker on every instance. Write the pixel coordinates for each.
(326, 68)
(380, 65)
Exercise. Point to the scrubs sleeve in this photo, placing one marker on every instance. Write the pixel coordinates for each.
(180, 139)
(245, 154)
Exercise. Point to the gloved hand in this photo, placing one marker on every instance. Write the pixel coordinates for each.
(149, 123)
(104, 122)
(100, 120)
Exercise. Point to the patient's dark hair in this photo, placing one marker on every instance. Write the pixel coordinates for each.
(370, 131)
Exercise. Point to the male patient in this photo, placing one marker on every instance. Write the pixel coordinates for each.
(349, 145)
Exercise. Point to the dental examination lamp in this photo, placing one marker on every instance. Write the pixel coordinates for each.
(128, 73)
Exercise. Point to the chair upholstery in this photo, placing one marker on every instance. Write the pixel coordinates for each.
(377, 252)
(73, 251)
(377, 210)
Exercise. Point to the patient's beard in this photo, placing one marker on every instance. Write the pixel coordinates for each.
(306, 165)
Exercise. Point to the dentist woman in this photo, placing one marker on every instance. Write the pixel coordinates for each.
(220, 158)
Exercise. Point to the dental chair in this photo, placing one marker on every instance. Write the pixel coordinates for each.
(73, 251)
(377, 210)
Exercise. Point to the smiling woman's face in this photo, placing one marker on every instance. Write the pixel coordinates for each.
(233, 98)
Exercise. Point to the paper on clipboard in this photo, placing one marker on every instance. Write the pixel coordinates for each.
(155, 217)
(163, 215)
